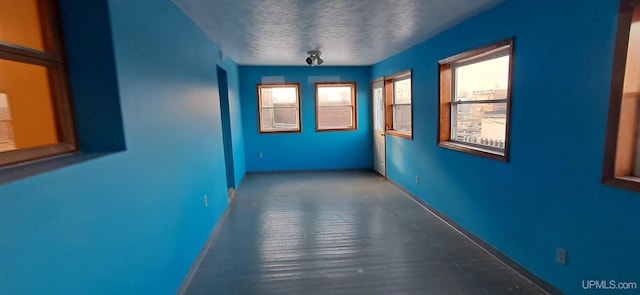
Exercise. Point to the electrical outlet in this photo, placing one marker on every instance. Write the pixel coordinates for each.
(561, 256)
(205, 201)
(260, 155)
(417, 179)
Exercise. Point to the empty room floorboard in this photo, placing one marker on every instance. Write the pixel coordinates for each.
(342, 232)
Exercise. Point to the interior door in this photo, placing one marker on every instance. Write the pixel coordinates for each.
(377, 94)
(225, 116)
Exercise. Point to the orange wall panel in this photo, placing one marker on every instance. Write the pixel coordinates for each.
(20, 23)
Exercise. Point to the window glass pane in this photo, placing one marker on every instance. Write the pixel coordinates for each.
(483, 80)
(402, 91)
(481, 123)
(378, 107)
(334, 105)
(7, 142)
(279, 119)
(279, 108)
(27, 118)
(402, 117)
(335, 117)
(474, 100)
(20, 23)
(334, 96)
(278, 97)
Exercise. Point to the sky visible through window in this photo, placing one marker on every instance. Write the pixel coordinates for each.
(402, 91)
(482, 123)
(482, 76)
(284, 94)
(335, 94)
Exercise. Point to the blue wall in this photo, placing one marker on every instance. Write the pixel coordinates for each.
(309, 149)
(131, 222)
(549, 195)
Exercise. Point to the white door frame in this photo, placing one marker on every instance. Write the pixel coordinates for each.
(378, 135)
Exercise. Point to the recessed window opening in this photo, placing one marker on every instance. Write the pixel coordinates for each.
(622, 147)
(480, 106)
(36, 120)
(399, 105)
(279, 108)
(474, 100)
(335, 106)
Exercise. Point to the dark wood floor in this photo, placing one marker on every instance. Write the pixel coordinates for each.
(346, 232)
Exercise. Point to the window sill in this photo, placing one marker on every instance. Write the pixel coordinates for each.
(10, 158)
(23, 170)
(280, 132)
(487, 153)
(336, 129)
(624, 182)
(407, 135)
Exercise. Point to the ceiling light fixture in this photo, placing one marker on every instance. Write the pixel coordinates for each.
(314, 58)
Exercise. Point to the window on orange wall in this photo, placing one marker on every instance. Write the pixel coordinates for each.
(336, 106)
(279, 108)
(475, 97)
(622, 151)
(35, 109)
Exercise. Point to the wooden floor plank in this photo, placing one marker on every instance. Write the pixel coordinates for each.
(345, 232)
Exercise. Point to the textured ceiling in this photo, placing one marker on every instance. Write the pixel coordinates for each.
(348, 32)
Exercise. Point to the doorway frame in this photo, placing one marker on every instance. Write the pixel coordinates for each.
(384, 132)
(225, 118)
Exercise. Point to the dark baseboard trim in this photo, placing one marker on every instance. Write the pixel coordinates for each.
(525, 273)
(203, 252)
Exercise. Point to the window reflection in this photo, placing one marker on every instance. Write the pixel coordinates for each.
(28, 106)
(7, 142)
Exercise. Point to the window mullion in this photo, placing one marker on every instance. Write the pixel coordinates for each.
(501, 100)
(28, 55)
